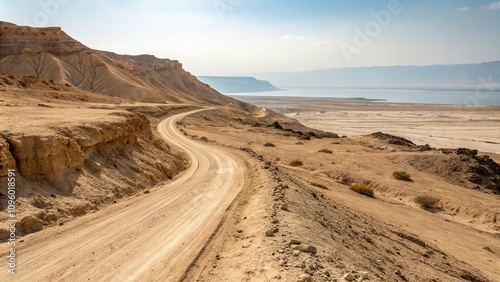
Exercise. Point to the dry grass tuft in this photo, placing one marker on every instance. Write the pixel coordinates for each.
(363, 188)
(296, 163)
(427, 202)
(402, 175)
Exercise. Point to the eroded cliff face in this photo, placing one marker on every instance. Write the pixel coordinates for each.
(51, 54)
(72, 170)
(44, 157)
(28, 40)
(6, 159)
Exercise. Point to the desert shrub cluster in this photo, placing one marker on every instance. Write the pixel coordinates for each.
(427, 202)
(402, 175)
(296, 163)
(363, 188)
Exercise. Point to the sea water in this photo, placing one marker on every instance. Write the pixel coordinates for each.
(480, 96)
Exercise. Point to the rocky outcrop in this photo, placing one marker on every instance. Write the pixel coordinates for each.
(6, 159)
(69, 171)
(53, 156)
(46, 156)
(30, 40)
(463, 167)
(51, 54)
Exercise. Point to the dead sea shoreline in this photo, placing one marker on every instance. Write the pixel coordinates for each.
(438, 125)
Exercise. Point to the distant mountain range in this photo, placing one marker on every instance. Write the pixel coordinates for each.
(232, 84)
(464, 76)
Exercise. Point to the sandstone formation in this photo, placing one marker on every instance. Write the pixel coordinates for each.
(70, 159)
(51, 54)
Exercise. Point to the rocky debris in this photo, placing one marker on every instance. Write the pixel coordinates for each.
(270, 233)
(304, 277)
(41, 202)
(462, 167)
(295, 242)
(249, 151)
(301, 135)
(400, 274)
(468, 152)
(29, 224)
(284, 207)
(308, 249)
(94, 166)
(276, 125)
(394, 140)
(426, 147)
(348, 277)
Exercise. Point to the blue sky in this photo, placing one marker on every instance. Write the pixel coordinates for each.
(215, 37)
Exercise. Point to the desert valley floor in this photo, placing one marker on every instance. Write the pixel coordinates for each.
(267, 201)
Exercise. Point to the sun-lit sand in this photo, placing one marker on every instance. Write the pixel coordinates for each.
(440, 126)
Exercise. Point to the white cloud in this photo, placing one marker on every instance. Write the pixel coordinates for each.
(463, 9)
(493, 6)
(327, 41)
(299, 38)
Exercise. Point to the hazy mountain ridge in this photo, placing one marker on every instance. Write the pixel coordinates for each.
(234, 84)
(466, 76)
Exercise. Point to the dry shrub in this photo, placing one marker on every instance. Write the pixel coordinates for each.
(269, 145)
(296, 163)
(427, 202)
(363, 188)
(327, 151)
(402, 175)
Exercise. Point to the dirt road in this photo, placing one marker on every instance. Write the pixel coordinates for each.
(150, 237)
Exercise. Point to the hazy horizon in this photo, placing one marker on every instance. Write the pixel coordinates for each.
(223, 37)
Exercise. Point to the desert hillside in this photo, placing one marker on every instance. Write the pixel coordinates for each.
(365, 208)
(51, 54)
(76, 151)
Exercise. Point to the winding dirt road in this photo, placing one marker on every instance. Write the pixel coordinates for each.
(151, 237)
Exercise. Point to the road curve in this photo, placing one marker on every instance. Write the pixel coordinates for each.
(152, 237)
